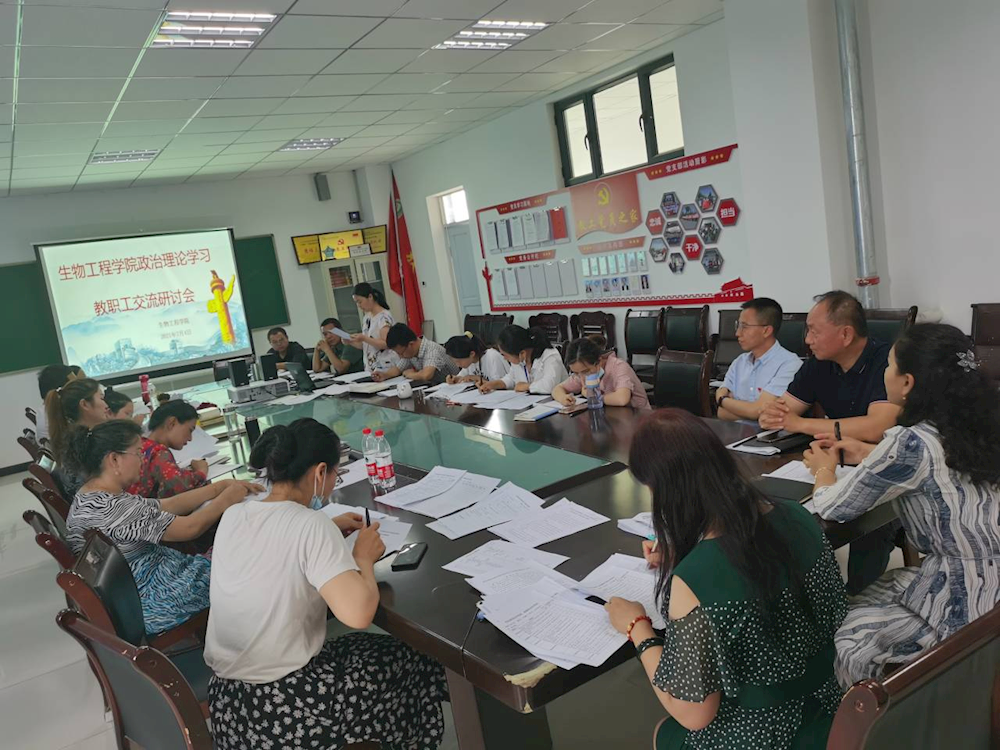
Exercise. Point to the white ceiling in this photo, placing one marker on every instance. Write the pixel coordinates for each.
(76, 78)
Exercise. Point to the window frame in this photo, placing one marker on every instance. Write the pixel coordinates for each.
(444, 214)
(592, 138)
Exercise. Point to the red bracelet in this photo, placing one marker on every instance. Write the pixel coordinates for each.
(628, 632)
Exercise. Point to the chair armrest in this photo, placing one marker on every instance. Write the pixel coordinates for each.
(194, 630)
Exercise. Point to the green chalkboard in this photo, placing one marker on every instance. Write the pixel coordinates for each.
(31, 339)
(260, 279)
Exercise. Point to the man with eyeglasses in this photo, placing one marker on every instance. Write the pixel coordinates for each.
(763, 372)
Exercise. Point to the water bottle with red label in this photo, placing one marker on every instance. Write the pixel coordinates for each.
(368, 450)
(383, 462)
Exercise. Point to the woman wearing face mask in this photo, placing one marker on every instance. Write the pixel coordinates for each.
(170, 429)
(374, 329)
(618, 383)
(279, 568)
(78, 402)
(172, 586)
(478, 362)
(940, 467)
(536, 366)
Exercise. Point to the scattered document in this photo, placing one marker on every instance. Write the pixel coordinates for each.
(221, 468)
(202, 445)
(548, 524)
(440, 479)
(393, 535)
(494, 399)
(519, 402)
(338, 509)
(527, 574)
(796, 471)
(469, 490)
(496, 556)
(353, 377)
(508, 502)
(641, 524)
(536, 413)
(352, 473)
(467, 397)
(629, 578)
(446, 390)
(296, 398)
(337, 389)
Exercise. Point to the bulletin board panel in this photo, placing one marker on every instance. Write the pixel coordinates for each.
(351, 243)
(664, 234)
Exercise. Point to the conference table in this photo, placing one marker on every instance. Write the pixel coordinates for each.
(498, 690)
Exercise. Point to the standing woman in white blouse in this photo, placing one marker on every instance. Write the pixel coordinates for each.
(375, 327)
(536, 366)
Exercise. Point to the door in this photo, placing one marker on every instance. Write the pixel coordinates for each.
(463, 263)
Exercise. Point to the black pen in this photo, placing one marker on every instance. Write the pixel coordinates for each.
(368, 519)
(836, 434)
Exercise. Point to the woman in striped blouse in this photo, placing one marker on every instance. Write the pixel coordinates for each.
(941, 470)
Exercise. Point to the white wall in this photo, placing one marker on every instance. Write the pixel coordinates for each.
(283, 207)
(517, 156)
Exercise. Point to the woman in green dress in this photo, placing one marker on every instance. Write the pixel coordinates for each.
(751, 595)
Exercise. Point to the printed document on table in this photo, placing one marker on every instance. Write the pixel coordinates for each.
(338, 509)
(528, 574)
(446, 391)
(641, 524)
(393, 535)
(494, 399)
(496, 556)
(337, 389)
(469, 490)
(353, 377)
(295, 398)
(440, 479)
(202, 445)
(629, 578)
(352, 473)
(548, 524)
(796, 471)
(520, 401)
(221, 468)
(510, 501)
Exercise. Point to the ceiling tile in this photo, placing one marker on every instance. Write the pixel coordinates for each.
(175, 153)
(448, 61)
(110, 182)
(119, 170)
(537, 82)
(478, 82)
(532, 10)
(247, 159)
(172, 63)
(36, 173)
(333, 131)
(133, 143)
(354, 118)
(7, 90)
(438, 127)
(684, 11)
(143, 127)
(197, 140)
(371, 61)
(287, 156)
(264, 147)
(501, 99)
(237, 107)
(410, 83)
(163, 163)
(301, 105)
(78, 62)
(264, 86)
(316, 32)
(51, 160)
(8, 24)
(68, 89)
(274, 122)
(339, 85)
(470, 10)
(514, 61)
(56, 26)
(167, 89)
(220, 124)
(44, 132)
(157, 110)
(245, 6)
(260, 136)
(153, 179)
(382, 8)
(439, 101)
(6, 133)
(470, 114)
(565, 36)
(634, 36)
(409, 118)
(580, 61)
(613, 11)
(25, 147)
(78, 112)
(378, 102)
(6, 114)
(380, 129)
(398, 33)
(274, 62)
(42, 187)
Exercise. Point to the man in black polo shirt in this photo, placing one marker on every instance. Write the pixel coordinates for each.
(844, 381)
(285, 350)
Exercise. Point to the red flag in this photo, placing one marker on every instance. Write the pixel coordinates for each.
(402, 270)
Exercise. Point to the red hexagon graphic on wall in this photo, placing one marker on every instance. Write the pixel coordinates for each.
(654, 222)
(729, 212)
(692, 247)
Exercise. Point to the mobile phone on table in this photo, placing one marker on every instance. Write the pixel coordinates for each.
(409, 556)
(772, 436)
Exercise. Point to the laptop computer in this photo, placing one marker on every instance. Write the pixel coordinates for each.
(301, 377)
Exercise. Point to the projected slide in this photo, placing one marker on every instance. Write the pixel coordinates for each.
(139, 304)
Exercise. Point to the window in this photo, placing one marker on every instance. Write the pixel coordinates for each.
(454, 208)
(629, 122)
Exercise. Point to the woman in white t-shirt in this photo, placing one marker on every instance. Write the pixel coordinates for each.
(478, 361)
(536, 366)
(278, 565)
(374, 329)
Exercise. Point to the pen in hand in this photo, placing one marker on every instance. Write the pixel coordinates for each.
(836, 434)
(368, 520)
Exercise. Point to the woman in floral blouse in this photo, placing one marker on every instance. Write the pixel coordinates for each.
(170, 429)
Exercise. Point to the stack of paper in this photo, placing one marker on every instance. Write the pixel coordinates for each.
(548, 524)
(447, 391)
(496, 555)
(535, 413)
(202, 445)
(518, 402)
(641, 524)
(439, 480)
(336, 389)
(524, 576)
(508, 502)
(296, 398)
(392, 531)
(353, 377)
(469, 490)
(494, 399)
(220, 466)
(796, 471)
(629, 578)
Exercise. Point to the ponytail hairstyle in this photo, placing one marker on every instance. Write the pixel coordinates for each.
(86, 447)
(364, 289)
(464, 346)
(287, 452)
(51, 377)
(182, 411)
(584, 350)
(514, 339)
(62, 409)
(116, 400)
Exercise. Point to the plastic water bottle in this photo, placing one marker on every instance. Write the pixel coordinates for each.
(369, 447)
(383, 462)
(592, 384)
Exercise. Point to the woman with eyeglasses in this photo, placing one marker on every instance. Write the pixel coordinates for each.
(588, 358)
(279, 569)
(172, 586)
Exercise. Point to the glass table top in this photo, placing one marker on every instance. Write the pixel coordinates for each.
(424, 441)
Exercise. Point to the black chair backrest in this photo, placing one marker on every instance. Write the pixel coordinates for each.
(643, 332)
(727, 348)
(986, 337)
(52, 502)
(152, 704)
(685, 329)
(555, 325)
(50, 538)
(792, 334)
(487, 327)
(888, 325)
(680, 379)
(588, 323)
(31, 415)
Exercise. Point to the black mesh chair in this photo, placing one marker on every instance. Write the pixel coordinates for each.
(152, 703)
(589, 323)
(888, 325)
(792, 334)
(643, 335)
(685, 329)
(555, 325)
(487, 327)
(681, 380)
(724, 343)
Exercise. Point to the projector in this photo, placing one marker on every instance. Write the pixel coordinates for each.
(258, 390)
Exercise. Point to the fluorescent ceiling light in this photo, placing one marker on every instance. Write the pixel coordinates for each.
(310, 144)
(467, 44)
(521, 25)
(504, 36)
(492, 35)
(117, 157)
(207, 29)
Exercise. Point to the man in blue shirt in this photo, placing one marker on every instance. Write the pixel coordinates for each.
(763, 373)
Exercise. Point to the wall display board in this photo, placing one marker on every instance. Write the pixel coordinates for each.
(313, 248)
(663, 234)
